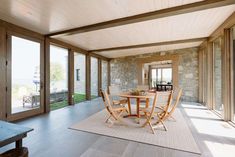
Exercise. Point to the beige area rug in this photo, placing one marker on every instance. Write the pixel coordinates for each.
(178, 136)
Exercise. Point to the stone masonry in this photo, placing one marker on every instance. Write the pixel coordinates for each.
(124, 71)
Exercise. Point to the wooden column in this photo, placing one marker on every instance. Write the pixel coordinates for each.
(71, 78)
(109, 75)
(210, 81)
(99, 75)
(88, 77)
(227, 87)
(47, 75)
(2, 74)
(200, 67)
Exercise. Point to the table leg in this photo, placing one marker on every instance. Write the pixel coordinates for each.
(19, 143)
(147, 103)
(129, 105)
(138, 107)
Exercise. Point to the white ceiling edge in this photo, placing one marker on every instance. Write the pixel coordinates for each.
(147, 50)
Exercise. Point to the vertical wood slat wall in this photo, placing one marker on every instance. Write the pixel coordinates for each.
(45, 65)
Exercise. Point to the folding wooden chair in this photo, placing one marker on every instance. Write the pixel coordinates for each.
(175, 101)
(115, 112)
(151, 113)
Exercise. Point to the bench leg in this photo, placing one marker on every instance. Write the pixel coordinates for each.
(19, 143)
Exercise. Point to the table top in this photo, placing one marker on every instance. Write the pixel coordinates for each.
(129, 95)
(9, 131)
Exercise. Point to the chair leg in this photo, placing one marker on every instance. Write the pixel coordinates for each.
(106, 121)
(161, 121)
(172, 118)
(152, 129)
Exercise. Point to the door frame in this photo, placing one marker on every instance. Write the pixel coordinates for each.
(29, 113)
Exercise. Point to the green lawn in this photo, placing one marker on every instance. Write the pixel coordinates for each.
(77, 99)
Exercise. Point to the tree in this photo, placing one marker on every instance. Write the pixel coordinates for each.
(56, 72)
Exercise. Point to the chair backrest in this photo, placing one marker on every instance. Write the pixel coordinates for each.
(114, 90)
(176, 98)
(143, 87)
(153, 106)
(168, 104)
(158, 96)
(107, 103)
(163, 98)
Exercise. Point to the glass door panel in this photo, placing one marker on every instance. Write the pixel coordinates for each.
(25, 75)
(104, 75)
(58, 77)
(167, 75)
(94, 77)
(217, 52)
(79, 77)
(153, 78)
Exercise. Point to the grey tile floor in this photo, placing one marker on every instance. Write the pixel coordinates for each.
(52, 138)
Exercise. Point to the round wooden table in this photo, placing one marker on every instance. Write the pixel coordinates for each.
(138, 99)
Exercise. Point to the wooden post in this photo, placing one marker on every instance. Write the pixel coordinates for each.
(227, 88)
(109, 75)
(3, 111)
(88, 77)
(71, 78)
(99, 75)
(47, 75)
(200, 67)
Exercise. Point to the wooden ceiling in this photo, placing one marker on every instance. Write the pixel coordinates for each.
(145, 22)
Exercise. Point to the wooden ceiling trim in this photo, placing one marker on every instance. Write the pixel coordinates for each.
(76, 49)
(228, 23)
(20, 30)
(197, 6)
(150, 45)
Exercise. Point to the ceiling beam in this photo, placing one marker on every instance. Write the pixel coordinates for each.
(183, 9)
(150, 45)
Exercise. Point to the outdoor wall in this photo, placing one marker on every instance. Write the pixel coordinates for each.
(94, 77)
(124, 71)
(80, 63)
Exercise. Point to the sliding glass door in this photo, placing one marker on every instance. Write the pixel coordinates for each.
(79, 77)
(58, 77)
(217, 55)
(104, 75)
(24, 77)
(94, 77)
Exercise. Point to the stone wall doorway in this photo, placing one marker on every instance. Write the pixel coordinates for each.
(153, 65)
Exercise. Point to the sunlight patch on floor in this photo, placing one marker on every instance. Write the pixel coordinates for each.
(220, 149)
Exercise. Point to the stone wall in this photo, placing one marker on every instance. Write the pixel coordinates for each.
(124, 71)
(80, 65)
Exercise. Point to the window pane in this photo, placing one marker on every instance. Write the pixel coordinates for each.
(25, 93)
(159, 76)
(167, 75)
(94, 77)
(154, 77)
(80, 77)
(217, 75)
(58, 77)
(104, 75)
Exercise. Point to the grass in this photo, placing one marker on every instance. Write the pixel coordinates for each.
(77, 99)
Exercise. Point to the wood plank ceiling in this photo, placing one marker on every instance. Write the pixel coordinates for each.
(50, 16)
